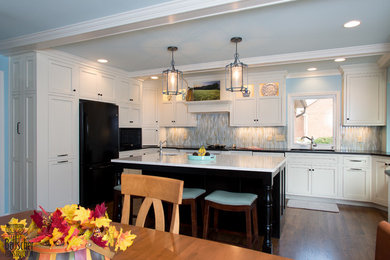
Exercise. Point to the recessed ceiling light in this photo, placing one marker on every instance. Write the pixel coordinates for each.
(352, 24)
(339, 59)
(154, 77)
(312, 69)
(102, 60)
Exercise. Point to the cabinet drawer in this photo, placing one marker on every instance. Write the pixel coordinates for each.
(356, 161)
(310, 159)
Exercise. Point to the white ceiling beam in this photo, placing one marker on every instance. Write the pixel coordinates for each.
(279, 59)
(153, 16)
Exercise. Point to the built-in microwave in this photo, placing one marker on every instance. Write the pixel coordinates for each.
(130, 139)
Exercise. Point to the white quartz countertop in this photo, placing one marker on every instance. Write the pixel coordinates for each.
(222, 161)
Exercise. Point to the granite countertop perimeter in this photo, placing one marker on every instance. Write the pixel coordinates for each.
(282, 150)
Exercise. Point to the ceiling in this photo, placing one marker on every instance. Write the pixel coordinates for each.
(300, 32)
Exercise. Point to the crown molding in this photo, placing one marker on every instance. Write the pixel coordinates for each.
(384, 61)
(280, 59)
(171, 12)
(309, 74)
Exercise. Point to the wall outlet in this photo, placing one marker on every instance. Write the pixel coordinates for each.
(269, 138)
(360, 139)
(280, 138)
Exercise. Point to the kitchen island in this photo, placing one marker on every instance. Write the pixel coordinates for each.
(262, 175)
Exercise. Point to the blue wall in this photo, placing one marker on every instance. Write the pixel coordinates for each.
(4, 67)
(315, 84)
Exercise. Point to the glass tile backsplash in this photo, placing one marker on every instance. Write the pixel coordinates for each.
(213, 128)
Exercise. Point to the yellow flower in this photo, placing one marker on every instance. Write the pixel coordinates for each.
(56, 235)
(124, 240)
(70, 233)
(16, 221)
(68, 211)
(2, 249)
(110, 235)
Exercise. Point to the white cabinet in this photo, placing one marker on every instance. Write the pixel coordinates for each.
(61, 77)
(129, 116)
(380, 180)
(175, 114)
(309, 175)
(128, 91)
(62, 124)
(23, 133)
(62, 181)
(364, 95)
(150, 121)
(356, 177)
(97, 85)
(263, 105)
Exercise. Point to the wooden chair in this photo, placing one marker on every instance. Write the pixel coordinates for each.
(154, 189)
(382, 251)
(233, 201)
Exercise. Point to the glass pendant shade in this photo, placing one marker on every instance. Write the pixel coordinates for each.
(172, 79)
(236, 73)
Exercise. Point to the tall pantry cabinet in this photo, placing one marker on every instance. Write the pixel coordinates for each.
(43, 130)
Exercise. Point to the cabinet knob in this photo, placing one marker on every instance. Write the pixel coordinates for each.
(131, 121)
(347, 118)
(131, 99)
(74, 90)
(156, 130)
(156, 121)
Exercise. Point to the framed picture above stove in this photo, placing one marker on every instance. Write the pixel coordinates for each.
(207, 90)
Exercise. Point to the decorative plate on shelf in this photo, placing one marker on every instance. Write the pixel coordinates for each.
(269, 89)
(211, 157)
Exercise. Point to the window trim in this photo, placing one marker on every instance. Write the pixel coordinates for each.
(307, 95)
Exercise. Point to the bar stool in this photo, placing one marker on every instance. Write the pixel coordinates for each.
(190, 196)
(233, 201)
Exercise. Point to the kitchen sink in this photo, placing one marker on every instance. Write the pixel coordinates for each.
(169, 154)
(311, 150)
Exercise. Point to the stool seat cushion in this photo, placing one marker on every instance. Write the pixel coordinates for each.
(192, 193)
(117, 187)
(231, 198)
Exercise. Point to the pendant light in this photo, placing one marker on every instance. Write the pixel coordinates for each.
(172, 78)
(236, 73)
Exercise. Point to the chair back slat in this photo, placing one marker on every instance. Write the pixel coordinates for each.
(154, 189)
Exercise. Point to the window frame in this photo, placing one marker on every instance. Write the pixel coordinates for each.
(336, 118)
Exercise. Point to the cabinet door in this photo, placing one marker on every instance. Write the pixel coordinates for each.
(356, 184)
(135, 92)
(150, 136)
(16, 74)
(61, 184)
(89, 79)
(167, 115)
(365, 99)
(380, 187)
(134, 116)
(298, 180)
(61, 78)
(269, 111)
(149, 107)
(107, 87)
(29, 72)
(124, 116)
(181, 114)
(62, 124)
(323, 181)
(123, 91)
(244, 112)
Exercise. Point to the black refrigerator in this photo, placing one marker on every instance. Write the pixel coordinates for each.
(99, 143)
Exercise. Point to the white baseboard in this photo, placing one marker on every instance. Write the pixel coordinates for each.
(338, 201)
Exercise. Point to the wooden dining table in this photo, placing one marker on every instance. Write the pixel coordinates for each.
(153, 244)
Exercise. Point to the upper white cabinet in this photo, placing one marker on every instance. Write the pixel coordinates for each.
(174, 113)
(150, 121)
(97, 85)
(23, 73)
(61, 77)
(263, 105)
(129, 116)
(128, 91)
(364, 95)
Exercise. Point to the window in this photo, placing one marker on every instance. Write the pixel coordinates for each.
(313, 118)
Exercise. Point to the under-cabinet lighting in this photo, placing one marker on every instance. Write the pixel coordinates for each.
(312, 69)
(154, 77)
(339, 59)
(102, 60)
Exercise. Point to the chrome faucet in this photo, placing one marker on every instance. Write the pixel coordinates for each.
(312, 144)
(160, 146)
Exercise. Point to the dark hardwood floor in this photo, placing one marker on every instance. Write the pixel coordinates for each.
(318, 235)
